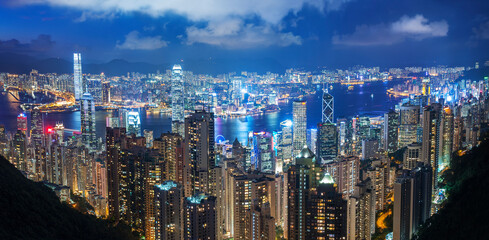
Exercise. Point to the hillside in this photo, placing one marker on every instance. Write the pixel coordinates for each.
(465, 213)
(32, 211)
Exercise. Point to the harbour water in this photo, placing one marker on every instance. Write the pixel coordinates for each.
(369, 99)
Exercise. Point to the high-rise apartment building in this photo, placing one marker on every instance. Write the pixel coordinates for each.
(391, 123)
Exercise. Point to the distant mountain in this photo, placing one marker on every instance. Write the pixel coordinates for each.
(30, 210)
(18, 63)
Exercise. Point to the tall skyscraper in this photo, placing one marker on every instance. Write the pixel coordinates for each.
(200, 217)
(361, 212)
(87, 114)
(133, 123)
(431, 137)
(327, 107)
(446, 137)
(299, 119)
(286, 147)
(391, 123)
(412, 193)
(37, 126)
(168, 214)
(106, 92)
(22, 123)
(170, 147)
(263, 153)
(177, 100)
(199, 152)
(409, 122)
(77, 75)
(327, 143)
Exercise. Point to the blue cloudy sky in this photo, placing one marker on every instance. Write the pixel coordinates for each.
(291, 32)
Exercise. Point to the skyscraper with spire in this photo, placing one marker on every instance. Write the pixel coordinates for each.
(177, 102)
(77, 76)
(327, 107)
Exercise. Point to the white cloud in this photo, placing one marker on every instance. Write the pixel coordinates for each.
(234, 33)
(134, 42)
(417, 28)
(216, 15)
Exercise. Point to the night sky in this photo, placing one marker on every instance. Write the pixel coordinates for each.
(292, 32)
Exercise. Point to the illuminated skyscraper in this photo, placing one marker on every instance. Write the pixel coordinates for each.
(299, 119)
(22, 123)
(327, 107)
(133, 123)
(391, 123)
(106, 92)
(286, 147)
(200, 217)
(177, 100)
(446, 137)
(168, 213)
(327, 143)
(263, 153)
(170, 147)
(431, 138)
(37, 126)
(236, 95)
(77, 75)
(87, 114)
(199, 152)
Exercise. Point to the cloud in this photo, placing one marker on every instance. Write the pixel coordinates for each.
(482, 31)
(235, 33)
(268, 17)
(135, 42)
(42, 43)
(417, 28)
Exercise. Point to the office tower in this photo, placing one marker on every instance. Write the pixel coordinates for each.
(199, 153)
(327, 107)
(106, 92)
(77, 75)
(431, 137)
(286, 147)
(148, 136)
(299, 119)
(236, 94)
(22, 123)
(345, 173)
(87, 115)
(37, 126)
(370, 148)
(391, 123)
(170, 148)
(446, 137)
(177, 100)
(412, 194)
(409, 121)
(261, 223)
(327, 143)
(302, 177)
(361, 212)
(412, 156)
(326, 212)
(312, 137)
(168, 215)
(133, 123)
(200, 217)
(59, 131)
(263, 157)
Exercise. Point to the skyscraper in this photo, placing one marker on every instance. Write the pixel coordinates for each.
(263, 152)
(327, 107)
(200, 217)
(446, 137)
(391, 123)
(412, 193)
(286, 147)
(87, 115)
(168, 212)
(133, 123)
(327, 143)
(77, 75)
(199, 152)
(177, 100)
(299, 119)
(431, 137)
(22, 123)
(106, 92)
